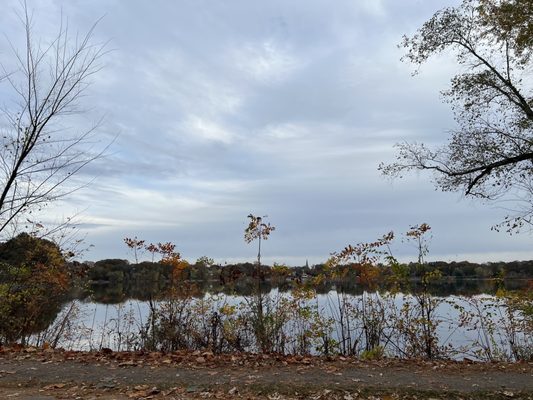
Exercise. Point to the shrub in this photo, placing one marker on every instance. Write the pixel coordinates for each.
(33, 281)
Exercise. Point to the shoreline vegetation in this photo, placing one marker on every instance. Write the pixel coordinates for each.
(380, 308)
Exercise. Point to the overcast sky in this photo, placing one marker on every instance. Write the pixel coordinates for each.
(279, 108)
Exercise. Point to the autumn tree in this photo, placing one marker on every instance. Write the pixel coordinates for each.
(39, 156)
(490, 153)
(33, 283)
(259, 230)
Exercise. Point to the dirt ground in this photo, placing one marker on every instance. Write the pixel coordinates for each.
(47, 374)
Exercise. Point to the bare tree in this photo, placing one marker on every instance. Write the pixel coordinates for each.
(38, 155)
(490, 154)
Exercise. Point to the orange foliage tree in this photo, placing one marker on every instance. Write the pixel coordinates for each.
(33, 282)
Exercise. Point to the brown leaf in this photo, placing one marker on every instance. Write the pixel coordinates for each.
(55, 386)
(128, 364)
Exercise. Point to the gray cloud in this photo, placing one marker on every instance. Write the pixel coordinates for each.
(278, 108)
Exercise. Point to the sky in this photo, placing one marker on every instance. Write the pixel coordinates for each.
(215, 110)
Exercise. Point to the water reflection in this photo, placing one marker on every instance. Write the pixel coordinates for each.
(119, 292)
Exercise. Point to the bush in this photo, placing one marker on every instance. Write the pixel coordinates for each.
(28, 250)
(33, 281)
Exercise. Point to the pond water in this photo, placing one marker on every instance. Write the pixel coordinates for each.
(478, 327)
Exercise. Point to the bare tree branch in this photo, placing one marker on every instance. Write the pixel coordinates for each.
(38, 157)
(490, 155)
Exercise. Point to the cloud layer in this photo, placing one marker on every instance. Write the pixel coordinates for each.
(282, 108)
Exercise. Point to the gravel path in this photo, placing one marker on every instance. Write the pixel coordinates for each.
(50, 376)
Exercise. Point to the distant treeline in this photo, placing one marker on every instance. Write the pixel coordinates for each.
(457, 270)
(114, 279)
(117, 270)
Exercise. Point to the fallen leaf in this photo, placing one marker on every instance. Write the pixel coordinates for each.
(127, 364)
(154, 391)
(55, 386)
